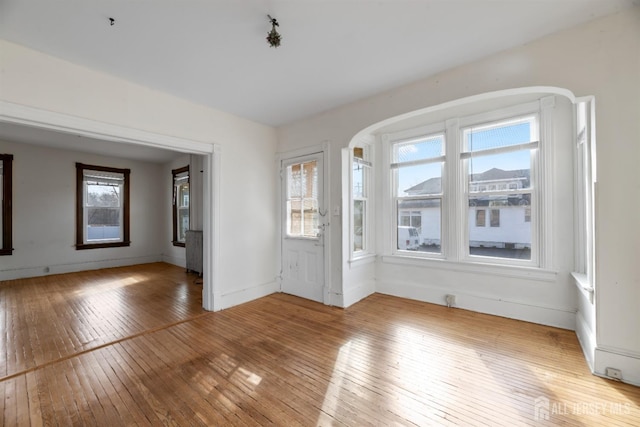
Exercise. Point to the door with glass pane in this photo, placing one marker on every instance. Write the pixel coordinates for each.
(303, 228)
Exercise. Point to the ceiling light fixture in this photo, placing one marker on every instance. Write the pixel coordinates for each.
(273, 38)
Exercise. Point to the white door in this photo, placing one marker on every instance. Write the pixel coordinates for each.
(303, 227)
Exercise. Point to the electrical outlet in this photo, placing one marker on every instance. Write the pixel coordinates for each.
(614, 373)
(451, 300)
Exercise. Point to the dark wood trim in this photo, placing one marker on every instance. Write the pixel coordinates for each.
(7, 204)
(79, 210)
(126, 240)
(174, 173)
(102, 245)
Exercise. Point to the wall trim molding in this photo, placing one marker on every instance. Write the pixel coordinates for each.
(358, 293)
(587, 339)
(559, 317)
(174, 260)
(38, 271)
(241, 296)
(629, 364)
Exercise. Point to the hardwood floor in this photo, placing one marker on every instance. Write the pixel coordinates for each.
(132, 346)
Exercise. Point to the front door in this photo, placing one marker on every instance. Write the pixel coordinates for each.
(303, 227)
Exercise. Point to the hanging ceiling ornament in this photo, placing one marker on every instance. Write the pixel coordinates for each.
(273, 38)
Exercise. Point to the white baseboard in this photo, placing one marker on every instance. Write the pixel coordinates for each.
(21, 273)
(559, 317)
(233, 298)
(587, 339)
(358, 293)
(628, 364)
(179, 262)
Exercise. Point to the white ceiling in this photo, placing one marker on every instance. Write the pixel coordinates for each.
(214, 52)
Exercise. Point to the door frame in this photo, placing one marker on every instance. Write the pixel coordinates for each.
(322, 149)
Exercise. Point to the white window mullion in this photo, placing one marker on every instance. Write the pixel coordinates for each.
(454, 219)
(543, 171)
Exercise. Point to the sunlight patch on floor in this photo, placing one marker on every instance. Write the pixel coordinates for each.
(332, 395)
(107, 286)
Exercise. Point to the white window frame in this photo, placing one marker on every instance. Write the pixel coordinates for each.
(402, 137)
(585, 184)
(367, 190)
(454, 209)
(120, 208)
(523, 113)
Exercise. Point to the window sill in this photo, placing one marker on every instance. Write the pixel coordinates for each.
(179, 244)
(582, 283)
(528, 273)
(101, 245)
(362, 260)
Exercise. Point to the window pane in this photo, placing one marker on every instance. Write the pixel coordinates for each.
(294, 181)
(358, 225)
(419, 225)
(419, 149)
(302, 203)
(508, 234)
(419, 180)
(183, 224)
(183, 195)
(103, 195)
(499, 172)
(502, 135)
(310, 180)
(358, 180)
(103, 223)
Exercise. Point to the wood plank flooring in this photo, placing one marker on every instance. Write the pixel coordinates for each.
(132, 346)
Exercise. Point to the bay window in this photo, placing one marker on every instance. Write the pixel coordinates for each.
(469, 187)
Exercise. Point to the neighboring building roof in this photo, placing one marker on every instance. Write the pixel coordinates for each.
(434, 185)
(430, 186)
(496, 174)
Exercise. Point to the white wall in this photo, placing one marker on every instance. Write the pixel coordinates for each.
(44, 222)
(247, 206)
(600, 58)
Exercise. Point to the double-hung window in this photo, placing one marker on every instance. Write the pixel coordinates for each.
(180, 205)
(361, 180)
(468, 188)
(497, 159)
(5, 195)
(417, 167)
(102, 210)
